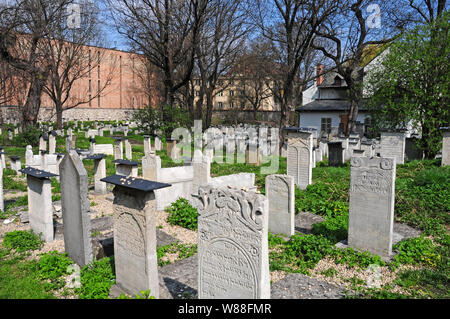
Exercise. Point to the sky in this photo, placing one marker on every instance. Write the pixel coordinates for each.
(113, 38)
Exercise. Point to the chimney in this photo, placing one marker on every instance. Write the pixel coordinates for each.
(319, 72)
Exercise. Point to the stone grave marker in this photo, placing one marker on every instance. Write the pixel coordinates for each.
(371, 212)
(335, 154)
(40, 202)
(76, 209)
(126, 168)
(135, 234)
(233, 256)
(99, 172)
(280, 191)
(151, 166)
(445, 146)
(392, 144)
(299, 156)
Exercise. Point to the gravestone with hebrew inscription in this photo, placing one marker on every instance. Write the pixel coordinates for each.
(371, 212)
(299, 157)
(233, 261)
(76, 209)
(280, 191)
(392, 144)
(134, 218)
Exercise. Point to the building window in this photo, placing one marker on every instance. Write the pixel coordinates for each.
(197, 82)
(221, 93)
(242, 105)
(232, 105)
(98, 93)
(232, 93)
(337, 81)
(90, 99)
(98, 71)
(326, 125)
(220, 105)
(367, 125)
(197, 93)
(90, 64)
(90, 86)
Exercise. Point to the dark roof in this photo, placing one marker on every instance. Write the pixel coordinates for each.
(126, 162)
(134, 183)
(328, 105)
(37, 173)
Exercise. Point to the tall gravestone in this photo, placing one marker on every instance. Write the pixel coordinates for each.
(76, 209)
(371, 212)
(99, 172)
(299, 157)
(147, 144)
(40, 202)
(233, 256)
(135, 234)
(392, 144)
(202, 170)
(151, 166)
(335, 154)
(118, 149)
(280, 191)
(128, 150)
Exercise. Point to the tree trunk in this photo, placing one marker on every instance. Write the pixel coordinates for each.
(59, 116)
(30, 111)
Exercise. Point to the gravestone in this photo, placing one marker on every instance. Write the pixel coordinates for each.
(43, 142)
(202, 170)
(75, 209)
(412, 152)
(16, 165)
(99, 172)
(393, 145)
(147, 144)
(368, 149)
(158, 145)
(445, 146)
(335, 154)
(299, 157)
(118, 149)
(151, 166)
(40, 202)
(126, 168)
(128, 150)
(280, 191)
(233, 256)
(2, 201)
(52, 142)
(371, 212)
(135, 257)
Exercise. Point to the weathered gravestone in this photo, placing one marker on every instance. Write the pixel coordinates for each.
(99, 172)
(118, 149)
(126, 168)
(76, 209)
(135, 234)
(233, 256)
(202, 170)
(40, 202)
(16, 165)
(52, 142)
(128, 150)
(335, 154)
(280, 192)
(371, 212)
(299, 157)
(147, 144)
(392, 144)
(151, 166)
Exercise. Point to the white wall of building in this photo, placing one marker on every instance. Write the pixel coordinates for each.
(314, 119)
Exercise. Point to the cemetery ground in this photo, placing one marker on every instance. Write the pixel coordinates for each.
(306, 265)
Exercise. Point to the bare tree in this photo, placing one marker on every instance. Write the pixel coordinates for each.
(24, 24)
(220, 43)
(72, 55)
(165, 31)
(291, 25)
(348, 38)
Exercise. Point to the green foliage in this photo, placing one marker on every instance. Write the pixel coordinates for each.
(334, 229)
(22, 241)
(165, 118)
(181, 213)
(353, 258)
(425, 283)
(413, 84)
(52, 266)
(182, 250)
(10, 183)
(416, 251)
(29, 136)
(97, 279)
(330, 272)
(300, 253)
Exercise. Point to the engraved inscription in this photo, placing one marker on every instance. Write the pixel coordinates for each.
(371, 180)
(128, 234)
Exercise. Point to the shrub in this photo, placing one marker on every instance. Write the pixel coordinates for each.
(416, 251)
(334, 229)
(97, 279)
(52, 266)
(22, 240)
(181, 213)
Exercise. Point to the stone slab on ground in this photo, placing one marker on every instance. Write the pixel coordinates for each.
(305, 220)
(179, 280)
(298, 286)
(401, 232)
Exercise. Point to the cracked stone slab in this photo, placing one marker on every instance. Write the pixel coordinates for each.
(298, 286)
